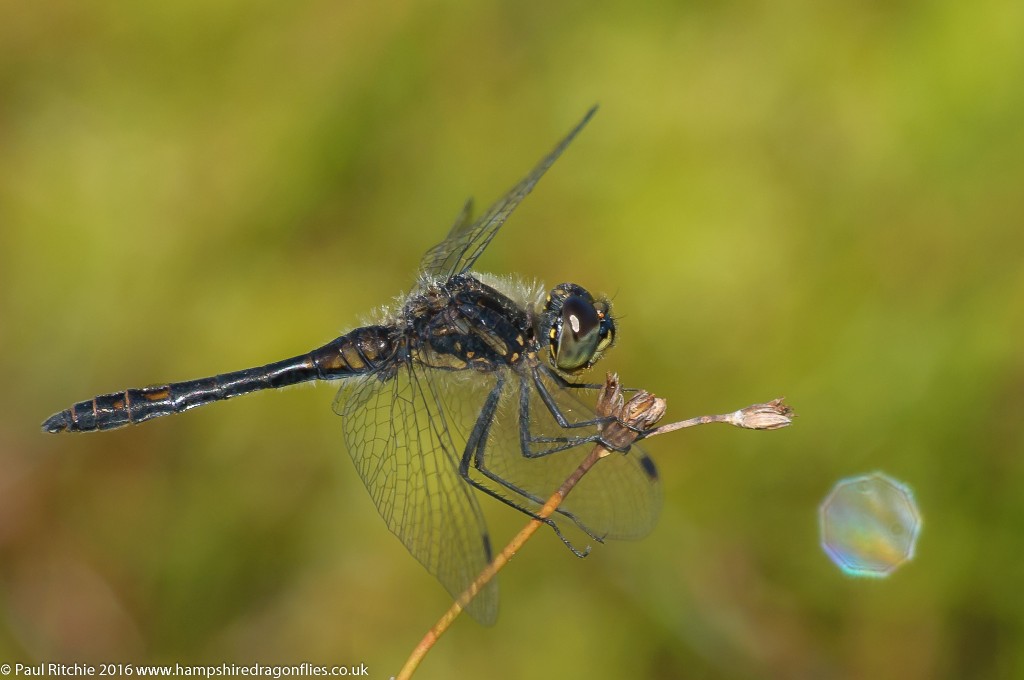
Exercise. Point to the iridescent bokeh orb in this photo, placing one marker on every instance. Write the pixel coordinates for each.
(869, 525)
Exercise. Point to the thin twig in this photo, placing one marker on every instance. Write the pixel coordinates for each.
(633, 420)
(768, 416)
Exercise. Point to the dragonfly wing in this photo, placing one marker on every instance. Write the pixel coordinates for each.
(407, 451)
(468, 238)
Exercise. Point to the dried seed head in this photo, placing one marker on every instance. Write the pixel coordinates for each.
(632, 418)
(769, 416)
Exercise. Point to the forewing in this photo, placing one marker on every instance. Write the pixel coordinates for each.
(620, 497)
(407, 450)
(468, 238)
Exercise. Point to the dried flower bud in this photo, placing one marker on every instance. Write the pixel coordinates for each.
(632, 418)
(610, 400)
(769, 416)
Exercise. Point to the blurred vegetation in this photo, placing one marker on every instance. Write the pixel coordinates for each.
(816, 200)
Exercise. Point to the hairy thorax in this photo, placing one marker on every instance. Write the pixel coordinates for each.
(463, 323)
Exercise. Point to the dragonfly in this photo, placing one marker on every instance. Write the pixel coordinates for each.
(472, 385)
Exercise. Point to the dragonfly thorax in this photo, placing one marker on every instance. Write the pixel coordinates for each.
(463, 323)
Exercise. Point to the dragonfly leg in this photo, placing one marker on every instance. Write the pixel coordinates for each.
(556, 411)
(474, 456)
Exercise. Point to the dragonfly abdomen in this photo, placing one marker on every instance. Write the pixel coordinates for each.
(363, 350)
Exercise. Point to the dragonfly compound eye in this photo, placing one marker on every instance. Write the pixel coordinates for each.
(578, 334)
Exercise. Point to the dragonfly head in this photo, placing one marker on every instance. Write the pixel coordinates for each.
(578, 327)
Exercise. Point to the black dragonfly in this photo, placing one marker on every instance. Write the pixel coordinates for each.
(470, 384)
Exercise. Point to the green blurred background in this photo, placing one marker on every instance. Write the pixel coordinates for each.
(816, 200)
